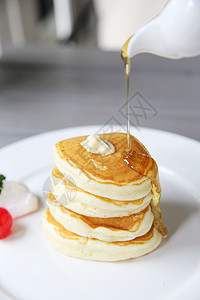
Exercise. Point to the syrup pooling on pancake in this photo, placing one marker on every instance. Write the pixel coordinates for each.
(146, 165)
(114, 169)
(112, 179)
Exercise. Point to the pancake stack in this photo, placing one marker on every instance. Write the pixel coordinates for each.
(98, 207)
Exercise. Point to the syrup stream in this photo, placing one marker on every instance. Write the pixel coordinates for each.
(141, 163)
(127, 68)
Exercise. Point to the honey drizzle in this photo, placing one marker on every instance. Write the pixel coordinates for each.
(146, 166)
(137, 161)
(127, 68)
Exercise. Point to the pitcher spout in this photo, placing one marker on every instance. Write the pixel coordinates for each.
(174, 34)
(150, 39)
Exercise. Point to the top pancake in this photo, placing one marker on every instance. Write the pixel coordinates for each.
(110, 168)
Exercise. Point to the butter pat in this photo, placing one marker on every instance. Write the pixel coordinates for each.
(95, 144)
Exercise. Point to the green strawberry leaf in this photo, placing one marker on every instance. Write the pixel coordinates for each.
(2, 178)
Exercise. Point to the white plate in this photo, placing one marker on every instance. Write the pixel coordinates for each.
(31, 269)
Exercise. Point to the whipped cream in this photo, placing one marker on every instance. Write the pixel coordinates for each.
(17, 199)
(95, 144)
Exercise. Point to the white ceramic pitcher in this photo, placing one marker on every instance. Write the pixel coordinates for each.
(174, 34)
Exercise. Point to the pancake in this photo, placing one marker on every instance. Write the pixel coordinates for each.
(82, 202)
(104, 200)
(93, 249)
(106, 176)
(106, 229)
